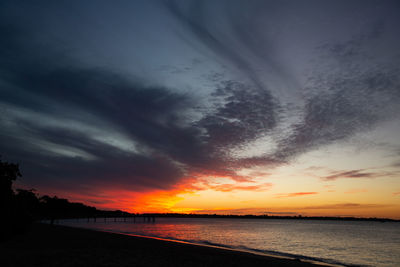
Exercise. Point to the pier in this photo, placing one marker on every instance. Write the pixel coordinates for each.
(137, 218)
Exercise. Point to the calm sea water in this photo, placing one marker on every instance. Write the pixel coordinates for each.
(339, 242)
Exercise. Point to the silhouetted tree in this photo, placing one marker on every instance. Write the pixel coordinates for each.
(9, 172)
(27, 205)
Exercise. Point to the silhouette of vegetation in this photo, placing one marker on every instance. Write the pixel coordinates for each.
(23, 207)
(9, 172)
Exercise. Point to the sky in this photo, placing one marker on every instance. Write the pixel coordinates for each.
(214, 106)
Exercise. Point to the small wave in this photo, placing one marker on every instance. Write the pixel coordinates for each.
(205, 242)
(258, 251)
(284, 254)
(241, 248)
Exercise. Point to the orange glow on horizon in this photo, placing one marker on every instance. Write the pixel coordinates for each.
(219, 195)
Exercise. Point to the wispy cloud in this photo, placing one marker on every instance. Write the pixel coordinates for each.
(396, 164)
(345, 206)
(355, 191)
(209, 184)
(355, 174)
(230, 187)
(296, 194)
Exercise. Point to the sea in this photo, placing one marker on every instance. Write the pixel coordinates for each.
(340, 243)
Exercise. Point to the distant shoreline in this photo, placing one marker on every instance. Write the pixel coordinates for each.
(54, 245)
(114, 214)
(249, 216)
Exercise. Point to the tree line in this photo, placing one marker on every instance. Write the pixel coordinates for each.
(21, 207)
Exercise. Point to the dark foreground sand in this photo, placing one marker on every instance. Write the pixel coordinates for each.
(46, 245)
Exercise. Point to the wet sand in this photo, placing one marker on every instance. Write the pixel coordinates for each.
(46, 245)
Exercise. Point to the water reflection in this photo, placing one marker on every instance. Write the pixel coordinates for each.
(363, 243)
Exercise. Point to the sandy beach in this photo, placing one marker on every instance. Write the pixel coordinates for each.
(46, 245)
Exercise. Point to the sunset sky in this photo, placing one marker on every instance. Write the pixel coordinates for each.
(216, 106)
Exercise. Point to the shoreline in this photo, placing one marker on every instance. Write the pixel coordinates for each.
(216, 246)
(55, 245)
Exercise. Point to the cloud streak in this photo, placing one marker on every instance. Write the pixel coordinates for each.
(55, 111)
(204, 185)
(345, 206)
(74, 124)
(355, 174)
(296, 194)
